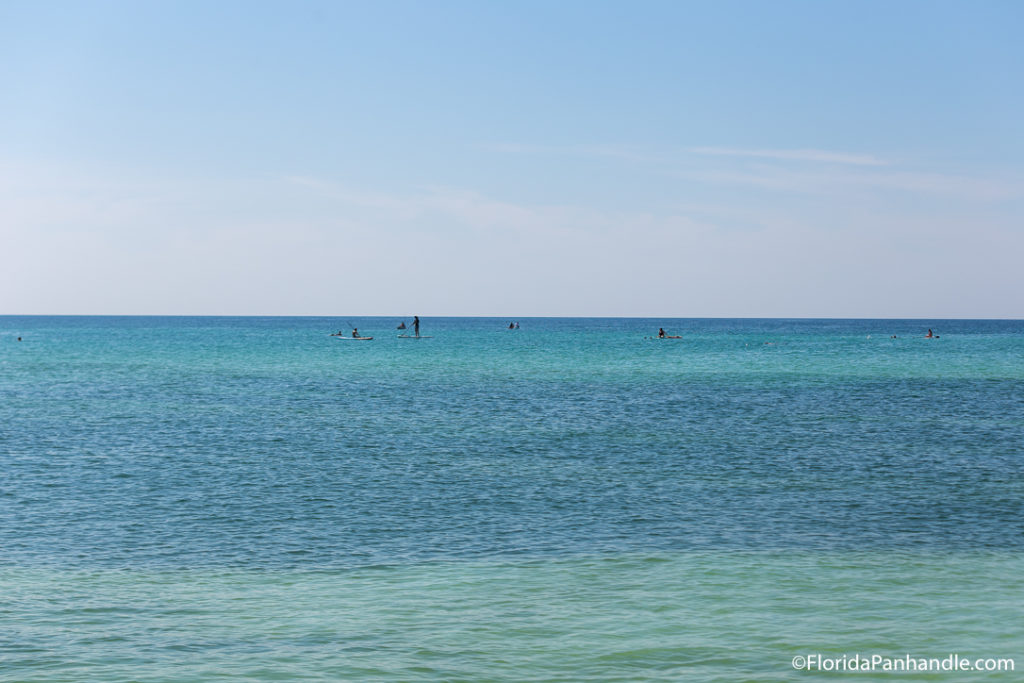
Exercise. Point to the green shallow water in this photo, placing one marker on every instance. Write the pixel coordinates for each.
(705, 616)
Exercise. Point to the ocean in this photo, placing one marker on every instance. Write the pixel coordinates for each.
(250, 499)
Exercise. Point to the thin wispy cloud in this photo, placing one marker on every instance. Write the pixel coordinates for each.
(641, 154)
(845, 181)
(803, 171)
(808, 155)
(481, 212)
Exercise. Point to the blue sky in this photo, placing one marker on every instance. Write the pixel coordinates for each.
(516, 158)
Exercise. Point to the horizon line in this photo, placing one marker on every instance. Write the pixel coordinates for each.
(498, 317)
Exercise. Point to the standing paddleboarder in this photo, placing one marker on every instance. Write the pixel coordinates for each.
(416, 325)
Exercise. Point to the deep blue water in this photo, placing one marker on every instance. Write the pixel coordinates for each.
(263, 442)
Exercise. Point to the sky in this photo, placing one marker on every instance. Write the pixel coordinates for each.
(677, 159)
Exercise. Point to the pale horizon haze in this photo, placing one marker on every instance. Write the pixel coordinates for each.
(677, 159)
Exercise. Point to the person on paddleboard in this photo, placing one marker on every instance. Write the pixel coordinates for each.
(661, 333)
(416, 325)
(355, 332)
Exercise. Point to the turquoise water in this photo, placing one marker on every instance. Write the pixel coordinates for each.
(191, 499)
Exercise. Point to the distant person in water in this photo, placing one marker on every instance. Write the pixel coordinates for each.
(416, 324)
(661, 333)
(517, 326)
(511, 326)
(401, 325)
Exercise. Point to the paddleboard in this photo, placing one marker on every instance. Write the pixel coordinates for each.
(351, 338)
(413, 336)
